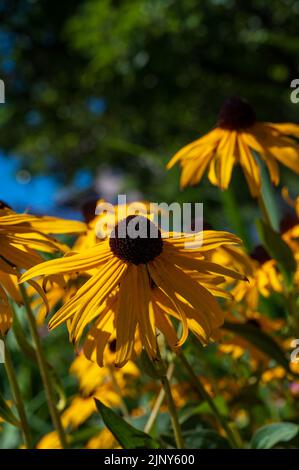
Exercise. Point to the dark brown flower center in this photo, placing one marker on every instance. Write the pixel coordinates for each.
(260, 254)
(236, 114)
(112, 346)
(3, 205)
(288, 222)
(89, 209)
(136, 240)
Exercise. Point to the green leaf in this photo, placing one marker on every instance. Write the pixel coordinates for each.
(128, 436)
(270, 435)
(261, 340)
(204, 408)
(7, 414)
(277, 248)
(201, 438)
(148, 366)
(268, 193)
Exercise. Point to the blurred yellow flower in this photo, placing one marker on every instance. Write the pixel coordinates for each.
(274, 373)
(49, 441)
(236, 346)
(103, 440)
(233, 142)
(21, 236)
(264, 279)
(91, 377)
(261, 271)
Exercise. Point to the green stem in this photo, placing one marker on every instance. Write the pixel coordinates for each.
(161, 370)
(158, 403)
(18, 398)
(205, 396)
(44, 371)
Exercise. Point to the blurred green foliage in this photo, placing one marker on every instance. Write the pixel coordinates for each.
(126, 83)
(161, 67)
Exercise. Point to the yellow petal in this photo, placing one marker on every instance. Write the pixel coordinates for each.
(166, 327)
(286, 128)
(210, 239)
(84, 261)
(145, 312)
(5, 313)
(111, 276)
(209, 139)
(126, 318)
(184, 285)
(162, 283)
(227, 160)
(250, 168)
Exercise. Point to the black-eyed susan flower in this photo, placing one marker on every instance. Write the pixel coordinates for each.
(232, 142)
(132, 278)
(22, 237)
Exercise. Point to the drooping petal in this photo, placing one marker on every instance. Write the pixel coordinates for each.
(166, 327)
(203, 266)
(98, 336)
(75, 303)
(18, 256)
(250, 168)
(271, 163)
(145, 312)
(284, 149)
(209, 139)
(90, 296)
(201, 324)
(286, 128)
(11, 286)
(126, 317)
(111, 276)
(222, 165)
(5, 313)
(167, 288)
(193, 169)
(182, 284)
